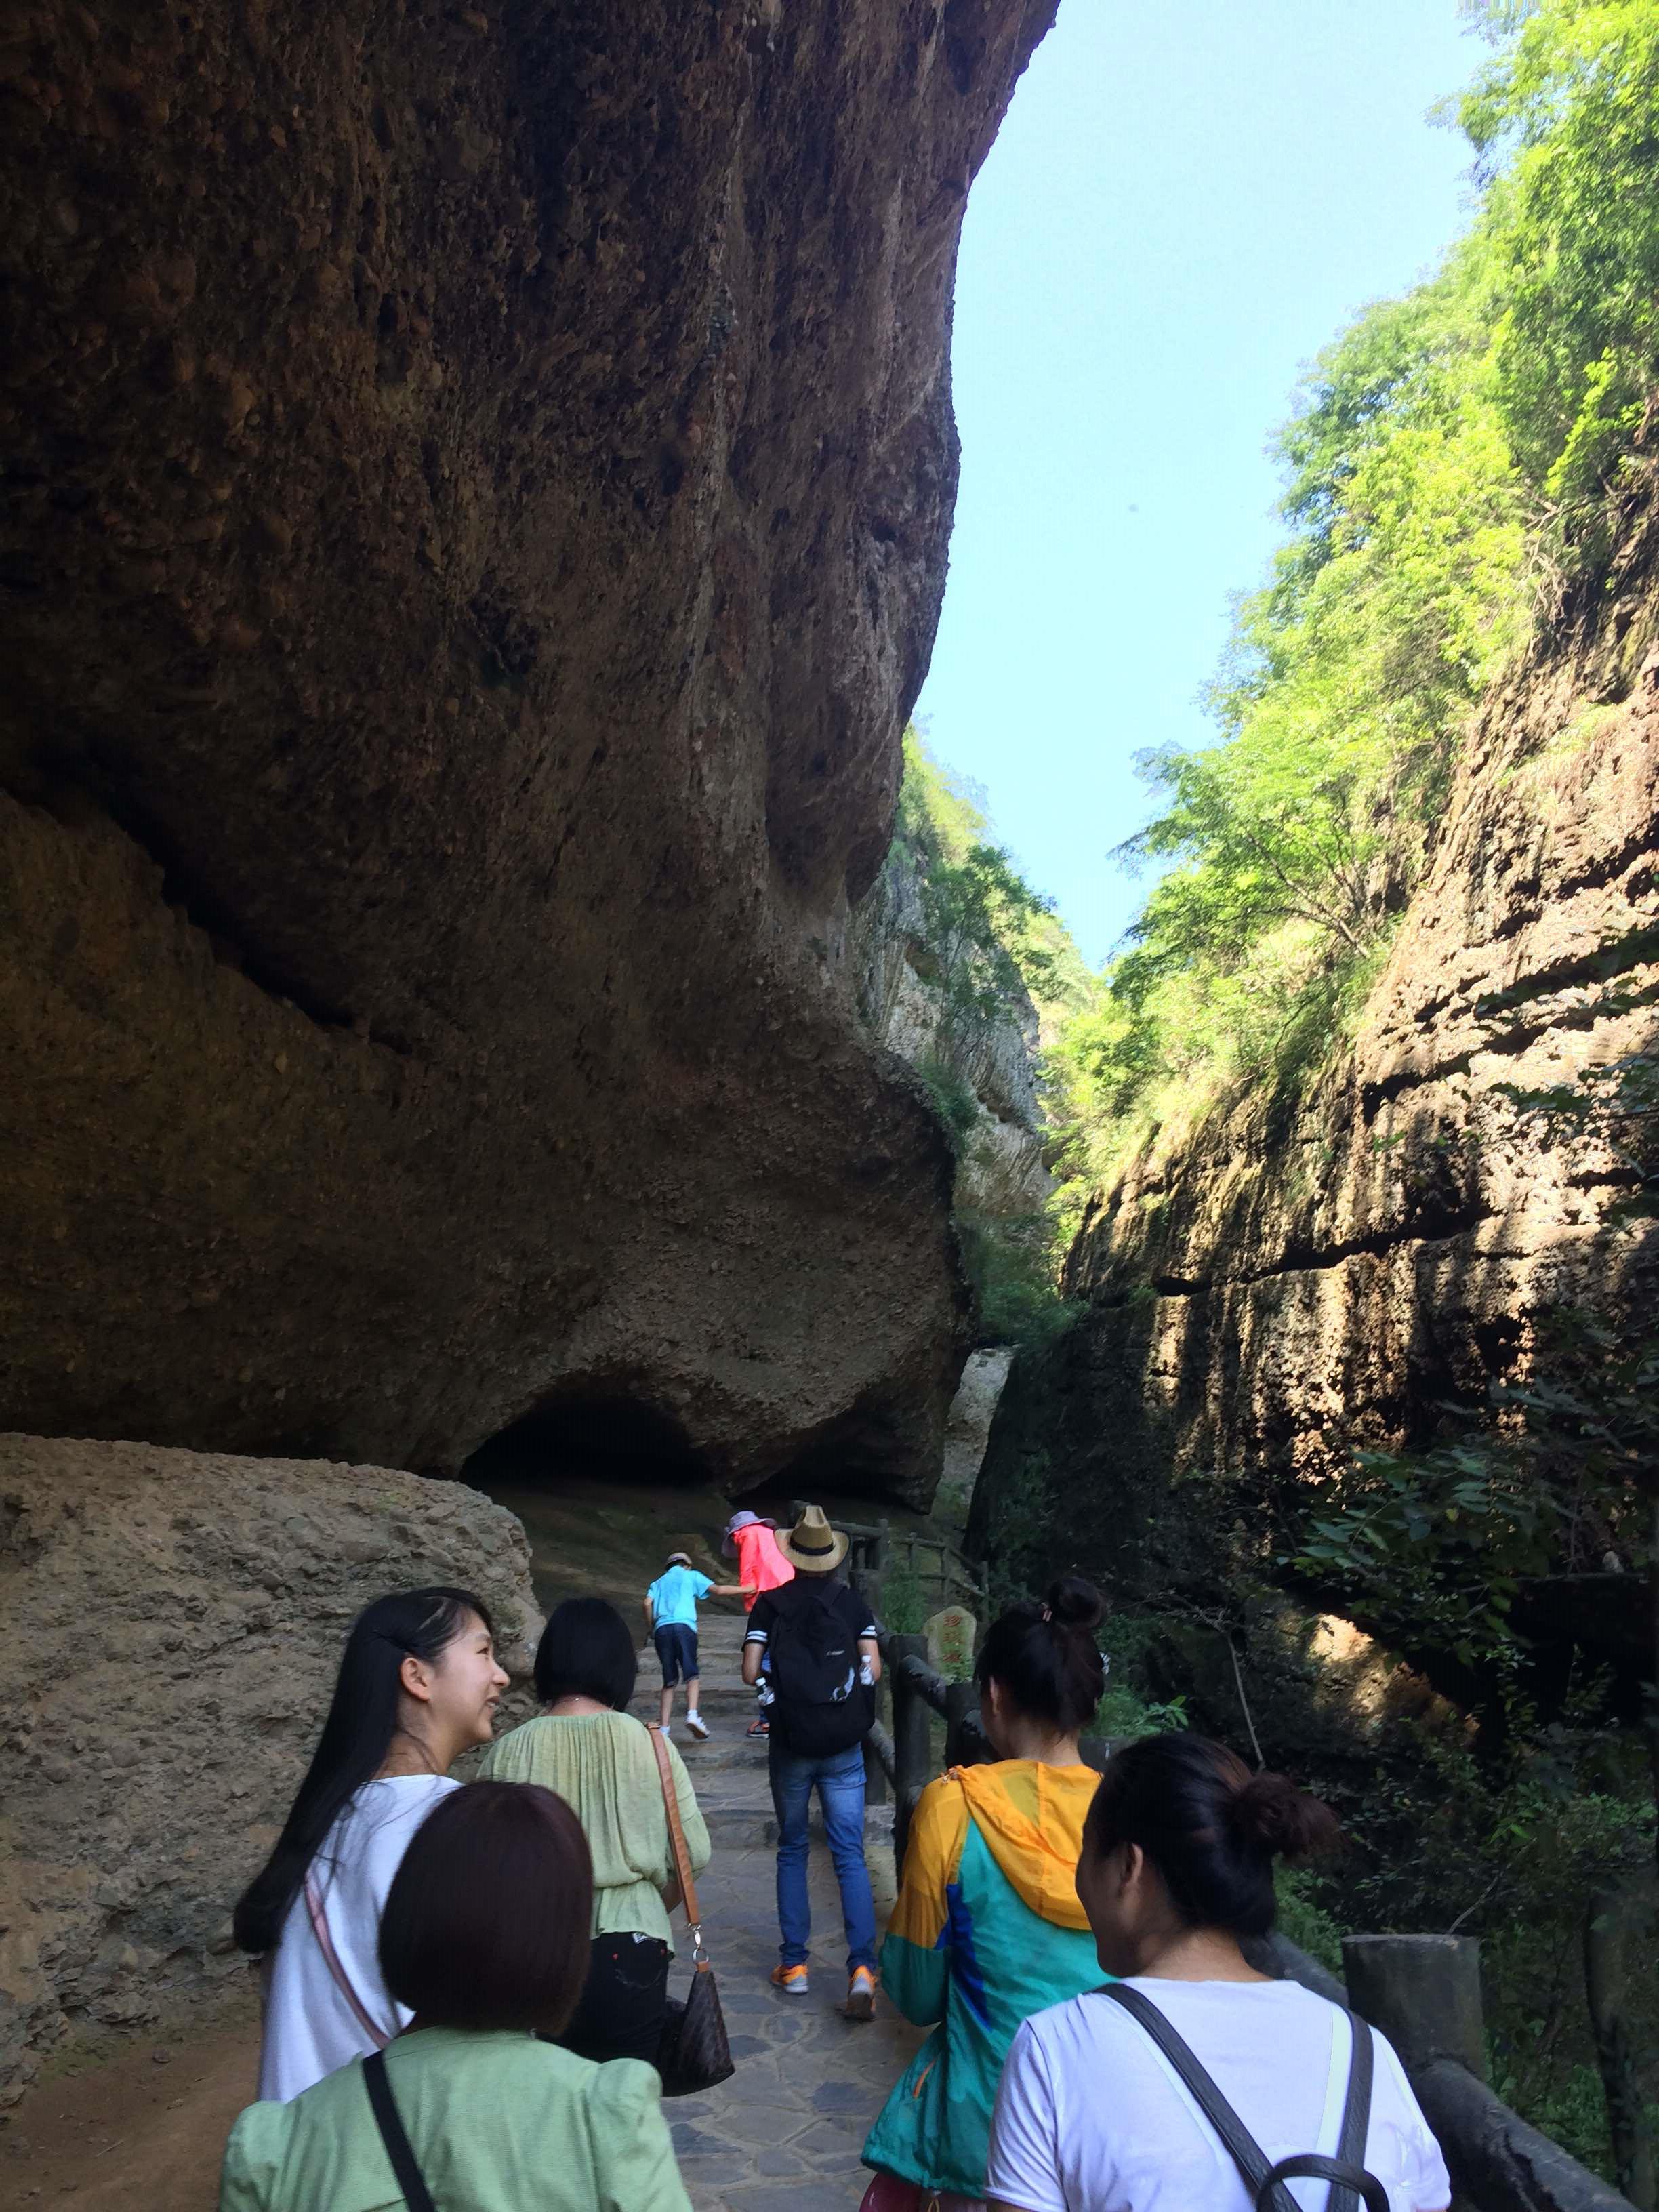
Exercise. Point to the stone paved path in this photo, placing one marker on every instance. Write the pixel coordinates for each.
(786, 2130)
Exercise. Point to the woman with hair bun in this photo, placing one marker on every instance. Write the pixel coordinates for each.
(1177, 1866)
(988, 1928)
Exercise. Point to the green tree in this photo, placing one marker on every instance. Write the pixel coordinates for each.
(1453, 457)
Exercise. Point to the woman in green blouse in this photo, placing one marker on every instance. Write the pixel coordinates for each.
(484, 1937)
(601, 1760)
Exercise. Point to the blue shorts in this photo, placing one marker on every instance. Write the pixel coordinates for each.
(677, 1647)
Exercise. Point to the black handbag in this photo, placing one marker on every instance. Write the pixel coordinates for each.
(693, 2052)
(1353, 2184)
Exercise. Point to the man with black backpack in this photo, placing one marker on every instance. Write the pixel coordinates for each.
(823, 1663)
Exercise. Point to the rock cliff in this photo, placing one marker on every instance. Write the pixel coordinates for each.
(165, 1670)
(1298, 1273)
(477, 485)
(1001, 1169)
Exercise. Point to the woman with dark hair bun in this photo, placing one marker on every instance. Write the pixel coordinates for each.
(484, 1942)
(417, 1687)
(585, 1745)
(1176, 1868)
(988, 1928)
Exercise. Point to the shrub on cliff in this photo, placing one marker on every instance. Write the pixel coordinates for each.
(997, 959)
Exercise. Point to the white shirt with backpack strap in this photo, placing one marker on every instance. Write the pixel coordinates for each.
(1092, 2117)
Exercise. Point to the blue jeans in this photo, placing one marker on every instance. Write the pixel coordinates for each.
(839, 1780)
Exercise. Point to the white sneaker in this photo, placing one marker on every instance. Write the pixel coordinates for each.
(694, 1722)
(666, 1732)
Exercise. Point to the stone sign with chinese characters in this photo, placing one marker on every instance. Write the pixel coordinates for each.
(950, 1636)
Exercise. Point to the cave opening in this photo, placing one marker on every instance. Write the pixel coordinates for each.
(605, 1484)
(858, 1461)
(605, 1437)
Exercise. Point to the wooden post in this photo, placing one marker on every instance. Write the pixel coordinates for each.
(1424, 1992)
(1616, 1919)
(910, 1747)
(960, 1698)
(875, 1774)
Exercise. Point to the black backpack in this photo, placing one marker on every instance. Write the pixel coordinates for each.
(818, 1706)
(1352, 2184)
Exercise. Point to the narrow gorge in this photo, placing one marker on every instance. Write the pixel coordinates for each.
(503, 1014)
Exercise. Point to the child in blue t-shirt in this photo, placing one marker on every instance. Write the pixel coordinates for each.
(671, 1621)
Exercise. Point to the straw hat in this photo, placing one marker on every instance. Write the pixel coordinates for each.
(812, 1546)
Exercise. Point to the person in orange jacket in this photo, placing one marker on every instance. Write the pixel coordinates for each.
(753, 1543)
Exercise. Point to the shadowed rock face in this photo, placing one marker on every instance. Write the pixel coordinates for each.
(1297, 1275)
(478, 502)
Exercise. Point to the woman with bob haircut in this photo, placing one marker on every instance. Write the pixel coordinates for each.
(585, 1745)
(484, 1940)
(988, 1928)
(417, 1687)
(1177, 1866)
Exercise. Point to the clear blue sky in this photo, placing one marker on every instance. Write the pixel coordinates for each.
(1187, 200)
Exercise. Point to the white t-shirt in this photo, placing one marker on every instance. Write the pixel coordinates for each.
(1092, 2117)
(310, 2028)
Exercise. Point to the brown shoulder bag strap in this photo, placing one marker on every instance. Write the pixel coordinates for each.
(671, 1805)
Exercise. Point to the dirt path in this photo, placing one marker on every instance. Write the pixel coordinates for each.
(138, 2133)
(144, 2134)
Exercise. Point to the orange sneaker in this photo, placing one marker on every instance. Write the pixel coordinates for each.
(861, 1994)
(792, 1980)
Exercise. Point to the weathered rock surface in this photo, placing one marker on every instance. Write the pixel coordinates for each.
(1300, 1275)
(478, 481)
(1000, 1169)
(174, 1622)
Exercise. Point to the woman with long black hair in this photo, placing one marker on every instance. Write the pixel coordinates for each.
(417, 1687)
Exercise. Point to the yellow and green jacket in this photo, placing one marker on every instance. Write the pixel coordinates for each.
(987, 1930)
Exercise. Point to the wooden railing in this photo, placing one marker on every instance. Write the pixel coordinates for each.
(874, 1552)
(1424, 1993)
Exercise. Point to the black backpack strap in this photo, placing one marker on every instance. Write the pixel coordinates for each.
(1248, 2154)
(1347, 2180)
(416, 2196)
(1352, 2184)
(1356, 2115)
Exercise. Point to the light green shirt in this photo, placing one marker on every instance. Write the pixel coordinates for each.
(604, 1767)
(498, 2122)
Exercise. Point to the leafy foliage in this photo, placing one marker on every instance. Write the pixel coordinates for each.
(1449, 460)
(994, 952)
(1429, 1550)
(990, 941)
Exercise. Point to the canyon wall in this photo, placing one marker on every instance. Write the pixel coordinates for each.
(164, 1672)
(1000, 1170)
(476, 494)
(1334, 1263)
